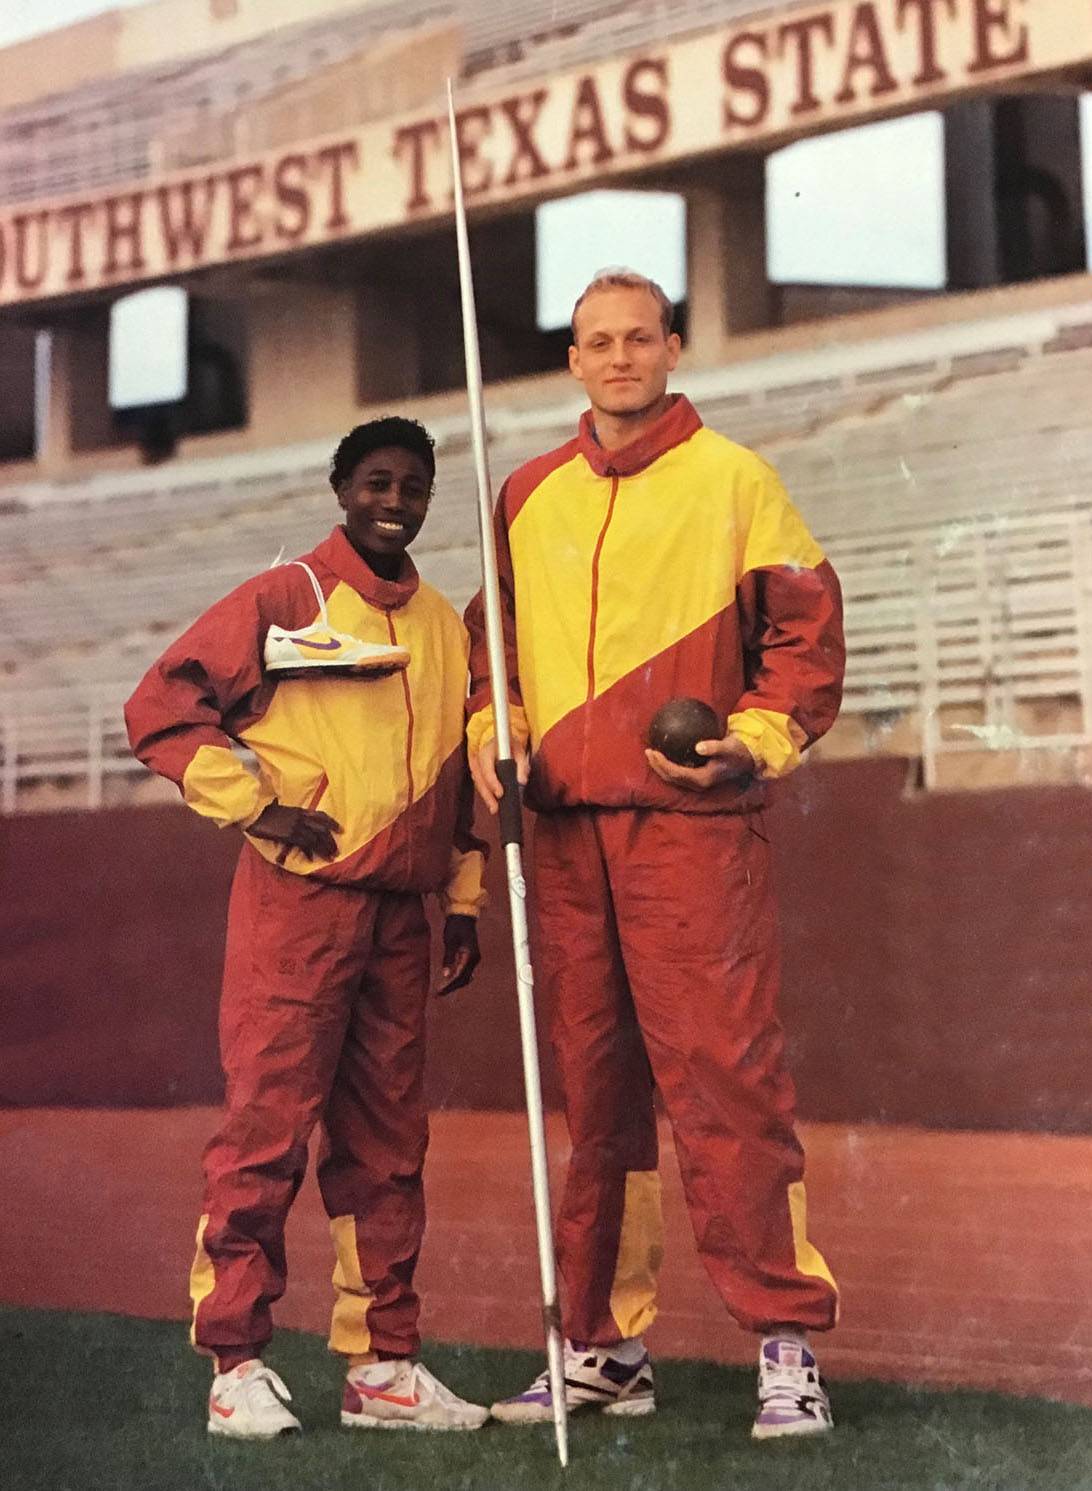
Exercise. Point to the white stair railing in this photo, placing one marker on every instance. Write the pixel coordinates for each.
(971, 627)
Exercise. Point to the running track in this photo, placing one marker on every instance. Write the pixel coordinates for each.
(962, 1257)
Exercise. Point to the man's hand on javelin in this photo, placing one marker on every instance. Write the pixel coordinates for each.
(461, 953)
(304, 829)
(483, 768)
(729, 760)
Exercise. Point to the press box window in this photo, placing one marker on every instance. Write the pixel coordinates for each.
(577, 236)
(175, 367)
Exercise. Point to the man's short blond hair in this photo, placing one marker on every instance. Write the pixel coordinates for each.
(620, 278)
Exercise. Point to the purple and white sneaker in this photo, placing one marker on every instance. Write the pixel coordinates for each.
(593, 1379)
(792, 1397)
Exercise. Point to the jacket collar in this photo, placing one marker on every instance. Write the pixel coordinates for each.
(678, 422)
(338, 554)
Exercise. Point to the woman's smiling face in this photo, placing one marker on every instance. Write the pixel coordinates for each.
(385, 500)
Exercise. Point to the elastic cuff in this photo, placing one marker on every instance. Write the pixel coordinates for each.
(263, 803)
(481, 727)
(463, 908)
(774, 739)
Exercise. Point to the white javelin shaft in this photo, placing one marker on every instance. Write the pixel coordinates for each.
(517, 888)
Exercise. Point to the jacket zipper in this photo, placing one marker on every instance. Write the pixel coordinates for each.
(595, 587)
(409, 714)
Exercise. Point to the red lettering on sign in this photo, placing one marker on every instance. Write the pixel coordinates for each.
(526, 163)
(26, 278)
(587, 127)
(244, 184)
(646, 103)
(930, 70)
(124, 234)
(801, 34)
(184, 218)
(994, 16)
(73, 217)
(745, 80)
(472, 126)
(337, 156)
(292, 196)
(865, 52)
(414, 137)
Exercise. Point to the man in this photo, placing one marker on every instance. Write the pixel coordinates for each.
(649, 558)
(346, 677)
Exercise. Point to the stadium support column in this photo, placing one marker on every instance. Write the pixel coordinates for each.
(55, 419)
(302, 360)
(1013, 192)
(728, 287)
(973, 253)
(389, 347)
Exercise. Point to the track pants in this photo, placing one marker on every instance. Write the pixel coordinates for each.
(322, 1020)
(658, 950)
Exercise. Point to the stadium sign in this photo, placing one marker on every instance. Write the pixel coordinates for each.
(749, 85)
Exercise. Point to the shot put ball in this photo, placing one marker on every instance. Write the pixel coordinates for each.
(678, 725)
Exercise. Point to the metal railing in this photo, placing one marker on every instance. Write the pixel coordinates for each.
(970, 627)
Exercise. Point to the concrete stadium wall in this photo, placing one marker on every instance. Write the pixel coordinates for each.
(937, 958)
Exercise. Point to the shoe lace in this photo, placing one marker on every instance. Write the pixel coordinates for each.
(265, 1382)
(434, 1388)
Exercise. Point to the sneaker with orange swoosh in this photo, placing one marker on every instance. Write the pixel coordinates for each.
(249, 1403)
(404, 1394)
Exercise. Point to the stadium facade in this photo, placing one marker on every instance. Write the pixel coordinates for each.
(285, 162)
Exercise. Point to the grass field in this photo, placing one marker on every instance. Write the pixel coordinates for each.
(104, 1403)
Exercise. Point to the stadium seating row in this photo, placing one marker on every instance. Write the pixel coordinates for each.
(104, 132)
(956, 503)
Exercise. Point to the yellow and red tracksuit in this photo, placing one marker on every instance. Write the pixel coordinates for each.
(326, 971)
(675, 566)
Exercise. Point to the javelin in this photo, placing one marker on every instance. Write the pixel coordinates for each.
(511, 831)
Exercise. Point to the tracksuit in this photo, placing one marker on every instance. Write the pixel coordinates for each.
(676, 566)
(326, 973)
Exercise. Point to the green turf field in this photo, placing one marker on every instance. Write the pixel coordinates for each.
(102, 1403)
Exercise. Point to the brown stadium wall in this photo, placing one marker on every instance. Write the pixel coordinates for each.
(938, 957)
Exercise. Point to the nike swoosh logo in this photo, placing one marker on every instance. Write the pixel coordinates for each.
(376, 1392)
(224, 1413)
(318, 646)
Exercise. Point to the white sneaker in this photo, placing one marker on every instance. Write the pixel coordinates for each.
(792, 1397)
(593, 1379)
(320, 650)
(403, 1394)
(249, 1403)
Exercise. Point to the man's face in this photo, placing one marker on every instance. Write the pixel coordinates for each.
(621, 354)
(385, 500)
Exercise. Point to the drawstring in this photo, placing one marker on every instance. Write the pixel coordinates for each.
(317, 588)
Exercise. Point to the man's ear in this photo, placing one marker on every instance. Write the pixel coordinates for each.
(674, 349)
(574, 361)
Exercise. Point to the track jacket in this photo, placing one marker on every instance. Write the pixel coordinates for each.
(385, 757)
(676, 566)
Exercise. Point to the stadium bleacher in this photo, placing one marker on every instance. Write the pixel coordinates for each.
(952, 489)
(105, 132)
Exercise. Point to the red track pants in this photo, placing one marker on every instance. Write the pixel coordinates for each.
(322, 1019)
(659, 956)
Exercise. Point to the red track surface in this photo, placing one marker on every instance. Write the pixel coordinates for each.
(963, 1258)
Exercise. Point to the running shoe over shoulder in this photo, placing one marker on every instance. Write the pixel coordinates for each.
(249, 1403)
(404, 1394)
(593, 1380)
(792, 1397)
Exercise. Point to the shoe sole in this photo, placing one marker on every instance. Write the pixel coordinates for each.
(789, 1431)
(362, 1421)
(628, 1408)
(223, 1432)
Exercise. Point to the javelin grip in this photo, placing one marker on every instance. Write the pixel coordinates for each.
(511, 818)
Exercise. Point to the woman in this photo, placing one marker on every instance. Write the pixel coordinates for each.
(345, 675)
